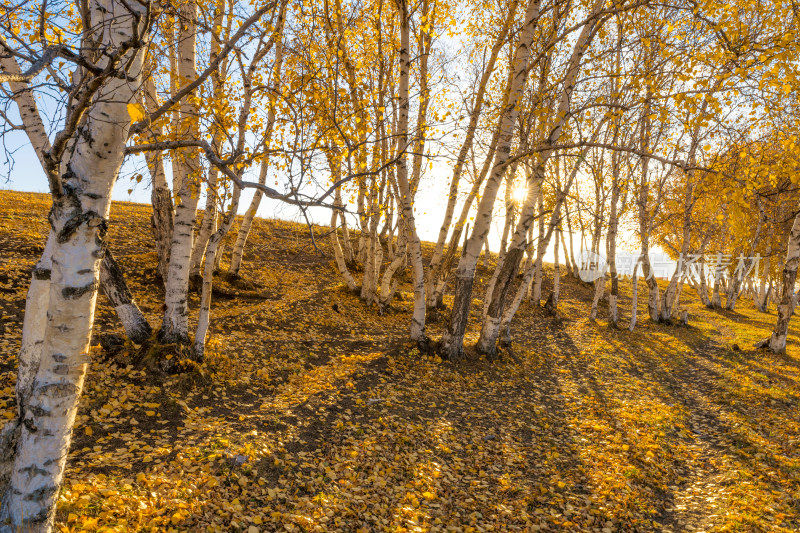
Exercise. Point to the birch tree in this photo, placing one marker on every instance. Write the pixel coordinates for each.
(34, 446)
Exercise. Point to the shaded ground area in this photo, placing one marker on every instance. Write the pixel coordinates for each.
(317, 415)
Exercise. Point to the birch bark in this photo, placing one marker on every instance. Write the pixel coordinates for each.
(81, 204)
(453, 338)
(187, 170)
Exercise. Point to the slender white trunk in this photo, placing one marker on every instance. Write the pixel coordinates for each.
(417, 331)
(247, 223)
(250, 214)
(341, 264)
(204, 316)
(207, 225)
(634, 297)
(551, 305)
(187, 169)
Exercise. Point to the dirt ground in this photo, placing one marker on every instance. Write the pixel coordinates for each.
(312, 412)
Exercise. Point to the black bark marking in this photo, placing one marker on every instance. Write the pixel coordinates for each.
(41, 273)
(73, 293)
(87, 217)
(58, 390)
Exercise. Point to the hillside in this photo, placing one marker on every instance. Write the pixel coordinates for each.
(314, 413)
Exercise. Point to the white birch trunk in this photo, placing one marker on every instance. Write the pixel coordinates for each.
(453, 338)
(79, 220)
(551, 305)
(777, 341)
(162, 219)
(466, 146)
(417, 330)
(112, 281)
(207, 225)
(187, 169)
(250, 214)
(634, 297)
(204, 316)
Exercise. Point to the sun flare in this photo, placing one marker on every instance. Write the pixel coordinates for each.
(518, 193)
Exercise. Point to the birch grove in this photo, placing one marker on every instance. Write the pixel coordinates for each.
(645, 146)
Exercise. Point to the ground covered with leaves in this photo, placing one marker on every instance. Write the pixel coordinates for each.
(313, 413)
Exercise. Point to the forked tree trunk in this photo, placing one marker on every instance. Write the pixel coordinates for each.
(440, 272)
(338, 254)
(466, 146)
(453, 338)
(506, 270)
(503, 241)
(388, 286)
(38, 447)
(777, 341)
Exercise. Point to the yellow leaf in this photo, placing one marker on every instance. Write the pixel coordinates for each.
(136, 112)
(88, 430)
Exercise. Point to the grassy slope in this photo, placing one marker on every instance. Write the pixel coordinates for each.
(323, 419)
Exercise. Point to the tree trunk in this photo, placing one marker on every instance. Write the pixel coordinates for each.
(436, 259)
(162, 219)
(777, 342)
(611, 250)
(247, 223)
(38, 440)
(112, 281)
(207, 226)
(501, 255)
(188, 171)
(338, 254)
(453, 338)
(417, 330)
(716, 301)
(441, 273)
(634, 297)
(252, 210)
(551, 305)
(599, 289)
(204, 316)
